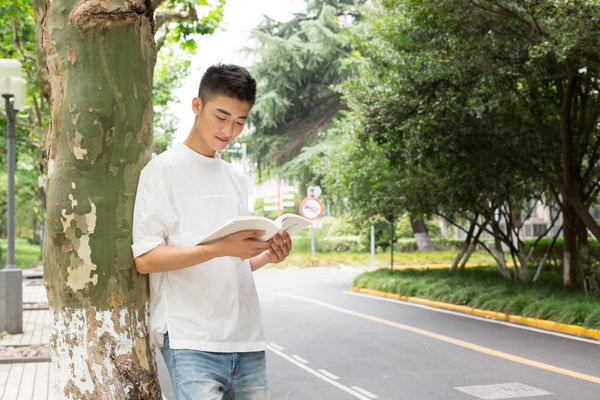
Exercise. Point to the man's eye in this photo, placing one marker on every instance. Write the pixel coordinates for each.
(222, 119)
(240, 123)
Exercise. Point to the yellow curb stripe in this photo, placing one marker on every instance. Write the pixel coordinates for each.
(535, 322)
(447, 339)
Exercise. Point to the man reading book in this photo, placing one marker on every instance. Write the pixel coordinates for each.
(204, 309)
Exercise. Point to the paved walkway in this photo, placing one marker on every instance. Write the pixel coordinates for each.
(28, 380)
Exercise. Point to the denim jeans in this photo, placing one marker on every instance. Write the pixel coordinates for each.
(201, 375)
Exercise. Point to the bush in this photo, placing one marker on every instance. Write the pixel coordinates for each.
(556, 255)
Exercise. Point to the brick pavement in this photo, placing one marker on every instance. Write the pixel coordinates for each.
(31, 380)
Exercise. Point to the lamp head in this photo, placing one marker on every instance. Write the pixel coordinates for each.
(11, 82)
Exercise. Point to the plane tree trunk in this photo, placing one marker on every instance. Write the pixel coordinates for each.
(100, 57)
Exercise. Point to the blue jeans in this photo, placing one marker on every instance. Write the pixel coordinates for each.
(201, 375)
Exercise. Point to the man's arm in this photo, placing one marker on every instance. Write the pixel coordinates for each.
(169, 258)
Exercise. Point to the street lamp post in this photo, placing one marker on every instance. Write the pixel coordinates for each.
(241, 149)
(12, 89)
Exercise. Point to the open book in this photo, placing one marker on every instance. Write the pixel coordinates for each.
(291, 223)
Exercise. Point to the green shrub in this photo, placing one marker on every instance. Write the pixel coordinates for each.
(556, 255)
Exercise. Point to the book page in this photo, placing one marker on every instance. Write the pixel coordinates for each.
(293, 223)
(244, 224)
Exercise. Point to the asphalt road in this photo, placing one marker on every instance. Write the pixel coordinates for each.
(328, 343)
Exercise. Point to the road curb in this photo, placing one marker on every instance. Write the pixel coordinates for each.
(535, 322)
(21, 360)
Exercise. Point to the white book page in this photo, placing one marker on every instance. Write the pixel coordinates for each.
(292, 223)
(244, 224)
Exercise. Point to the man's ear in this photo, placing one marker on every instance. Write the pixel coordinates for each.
(196, 105)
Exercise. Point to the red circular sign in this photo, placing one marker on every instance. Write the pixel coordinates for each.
(311, 208)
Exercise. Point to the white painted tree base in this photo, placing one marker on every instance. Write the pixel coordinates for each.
(101, 355)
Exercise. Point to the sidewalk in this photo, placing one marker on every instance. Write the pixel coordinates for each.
(24, 360)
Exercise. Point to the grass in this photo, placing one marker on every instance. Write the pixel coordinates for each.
(483, 287)
(303, 259)
(26, 255)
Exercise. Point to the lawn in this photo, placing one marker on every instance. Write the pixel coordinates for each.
(26, 255)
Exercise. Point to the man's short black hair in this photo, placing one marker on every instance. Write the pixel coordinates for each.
(228, 80)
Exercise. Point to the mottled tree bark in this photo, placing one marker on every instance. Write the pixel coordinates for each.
(100, 56)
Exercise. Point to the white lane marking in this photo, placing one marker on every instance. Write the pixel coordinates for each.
(499, 391)
(363, 391)
(300, 359)
(328, 374)
(346, 389)
(278, 347)
(461, 314)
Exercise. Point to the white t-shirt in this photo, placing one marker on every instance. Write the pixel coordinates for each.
(183, 196)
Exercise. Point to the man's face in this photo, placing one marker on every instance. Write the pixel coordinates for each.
(218, 122)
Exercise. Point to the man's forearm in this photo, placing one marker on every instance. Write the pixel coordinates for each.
(169, 258)
(257, 262)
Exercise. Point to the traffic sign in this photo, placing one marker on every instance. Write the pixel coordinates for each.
(311, 208)
(314, 191)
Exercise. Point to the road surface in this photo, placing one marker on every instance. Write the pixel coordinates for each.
(326, 342)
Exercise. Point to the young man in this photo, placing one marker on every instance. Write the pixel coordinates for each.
(204, 310)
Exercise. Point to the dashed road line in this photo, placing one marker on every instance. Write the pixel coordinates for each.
(275, 345)
(320, 375)
(451, 340)
(328, 374)
(365, 392)
(299, 359)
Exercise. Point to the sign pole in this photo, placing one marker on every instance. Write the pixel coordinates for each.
(312, 242)
(312, 209)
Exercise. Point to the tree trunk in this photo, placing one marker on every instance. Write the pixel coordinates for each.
(588, 270)
(472, 245)
(421, 234)
(100, 57)
(498, 254)
(590, 276)
(521, 270)
(391, 221)
(569, 247)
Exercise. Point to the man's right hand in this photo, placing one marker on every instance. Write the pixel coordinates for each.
(241, 244)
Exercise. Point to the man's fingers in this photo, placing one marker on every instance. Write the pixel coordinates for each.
(277, 250)
(288, 241)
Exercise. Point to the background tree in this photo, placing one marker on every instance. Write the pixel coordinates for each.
(500, 80)
(297, 62)
(359, 173)
(17, 41)
(170, 71)
(527, 79)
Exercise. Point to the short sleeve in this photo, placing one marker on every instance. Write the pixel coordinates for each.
(153, 214)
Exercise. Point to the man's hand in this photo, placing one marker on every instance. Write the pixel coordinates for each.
(280, 247)
(169, 258)
(242, 244)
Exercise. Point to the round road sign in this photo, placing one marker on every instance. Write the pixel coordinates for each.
(311, 208)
